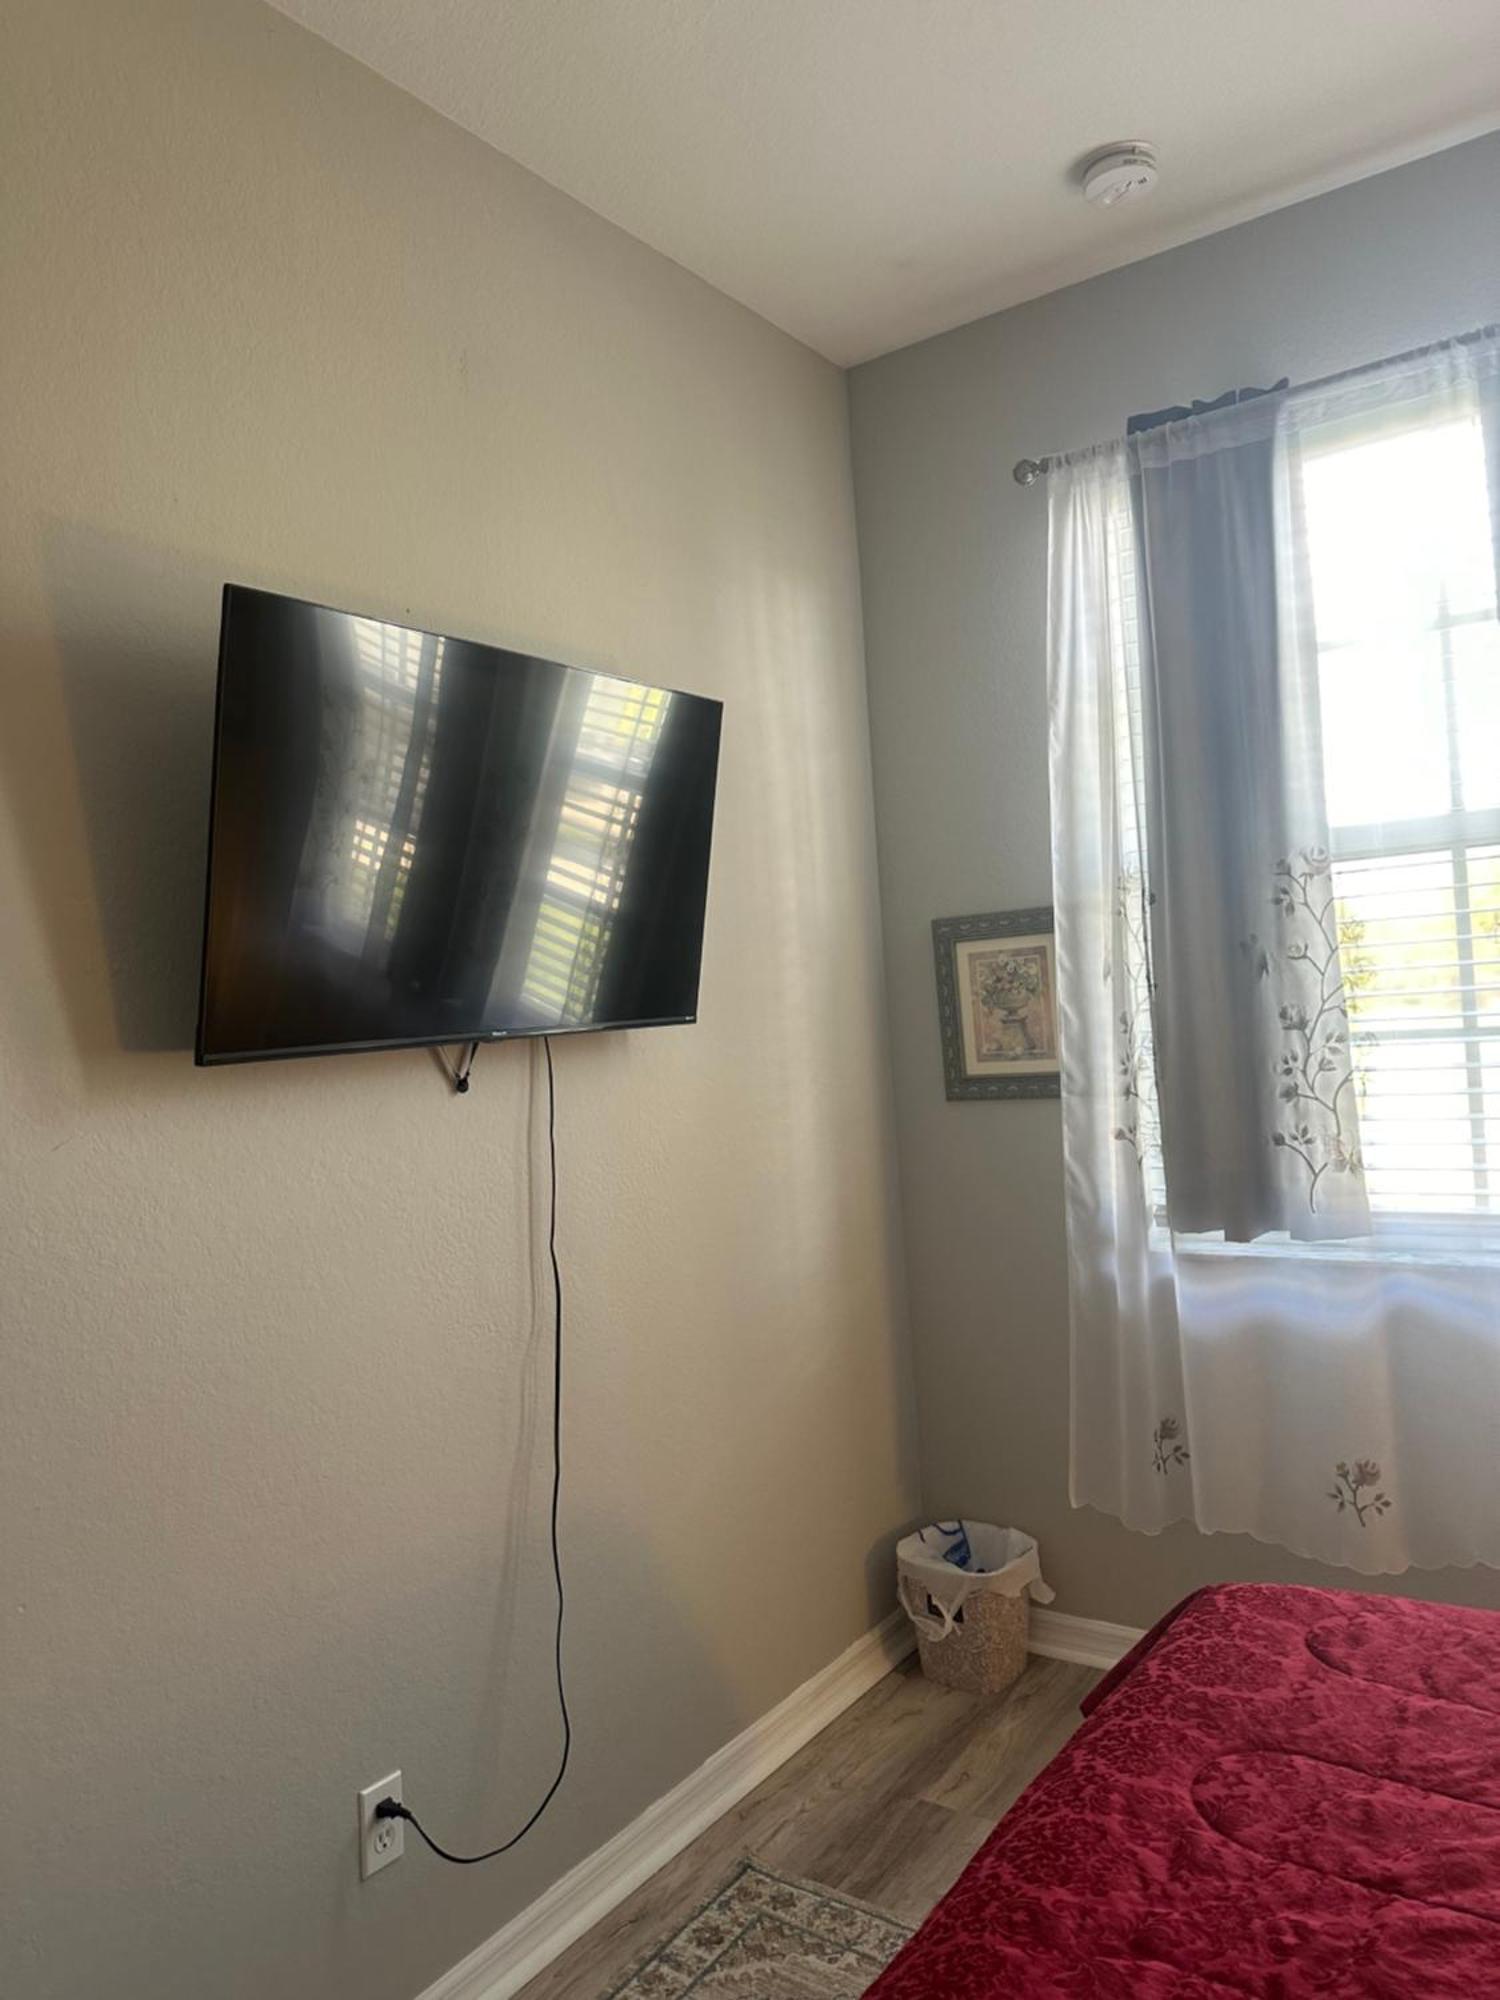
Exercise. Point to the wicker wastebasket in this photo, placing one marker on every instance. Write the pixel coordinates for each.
(967, 1588)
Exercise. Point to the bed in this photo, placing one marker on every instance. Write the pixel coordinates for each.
(1278, 1793)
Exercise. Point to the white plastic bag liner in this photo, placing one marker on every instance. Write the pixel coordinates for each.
(932, 1585)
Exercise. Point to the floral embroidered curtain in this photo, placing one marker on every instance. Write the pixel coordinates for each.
(1254, 1348)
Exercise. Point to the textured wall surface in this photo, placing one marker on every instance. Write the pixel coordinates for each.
(274, 1418)
(953, 557)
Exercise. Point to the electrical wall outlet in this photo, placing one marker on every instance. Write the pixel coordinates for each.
(381, 1841)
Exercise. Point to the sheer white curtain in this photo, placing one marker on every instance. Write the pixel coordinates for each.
(1275, 758)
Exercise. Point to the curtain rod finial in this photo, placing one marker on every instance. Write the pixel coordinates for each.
(1027, 471)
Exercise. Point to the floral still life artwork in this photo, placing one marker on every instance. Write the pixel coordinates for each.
(997, 1004)
(1010, 996)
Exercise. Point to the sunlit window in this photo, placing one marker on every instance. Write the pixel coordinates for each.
(1403, 575)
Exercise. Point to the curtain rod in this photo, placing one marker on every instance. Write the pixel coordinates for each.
(1027, 471)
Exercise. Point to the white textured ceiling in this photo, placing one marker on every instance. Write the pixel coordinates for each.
(866, 172)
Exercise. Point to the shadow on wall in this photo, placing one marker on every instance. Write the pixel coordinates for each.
(124, 694)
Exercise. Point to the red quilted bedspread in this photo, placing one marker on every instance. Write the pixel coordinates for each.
(1280, 1793)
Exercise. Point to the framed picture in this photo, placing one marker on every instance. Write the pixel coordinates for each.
(997, 1004)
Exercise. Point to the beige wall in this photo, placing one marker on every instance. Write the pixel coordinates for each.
(273, 1423)
(953, 557)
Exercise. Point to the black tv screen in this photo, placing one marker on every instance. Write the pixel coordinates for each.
(418, 839)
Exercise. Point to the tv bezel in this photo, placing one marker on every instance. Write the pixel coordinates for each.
(203, 1060)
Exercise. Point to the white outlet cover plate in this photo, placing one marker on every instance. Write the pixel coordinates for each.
(381, 1841)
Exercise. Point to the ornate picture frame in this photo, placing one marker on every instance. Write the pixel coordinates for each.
(997, 1004)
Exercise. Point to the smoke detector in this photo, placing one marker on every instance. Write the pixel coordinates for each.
(1119, 173)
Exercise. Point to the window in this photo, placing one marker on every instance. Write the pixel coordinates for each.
(1403, 589)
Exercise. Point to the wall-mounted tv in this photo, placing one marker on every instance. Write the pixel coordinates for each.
(417, 839)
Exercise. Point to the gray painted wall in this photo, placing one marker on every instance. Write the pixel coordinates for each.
(273, 1429)
(952, 555)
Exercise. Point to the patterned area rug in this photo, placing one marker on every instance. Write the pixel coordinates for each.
(763, 1937)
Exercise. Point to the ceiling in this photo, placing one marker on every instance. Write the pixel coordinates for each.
(867, 172)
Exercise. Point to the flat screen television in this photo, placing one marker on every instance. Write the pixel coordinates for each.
(417, 839)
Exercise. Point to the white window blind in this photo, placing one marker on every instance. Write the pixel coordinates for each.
(1403, 583)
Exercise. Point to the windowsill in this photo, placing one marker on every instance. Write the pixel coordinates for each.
(1465, 1247)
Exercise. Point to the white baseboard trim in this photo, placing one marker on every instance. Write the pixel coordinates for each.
(1088, 1642)
(544, 1929)
(502, 1965)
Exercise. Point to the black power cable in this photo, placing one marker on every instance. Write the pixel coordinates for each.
(392, 1808)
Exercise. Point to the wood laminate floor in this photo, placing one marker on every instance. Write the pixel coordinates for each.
(887, 1805)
